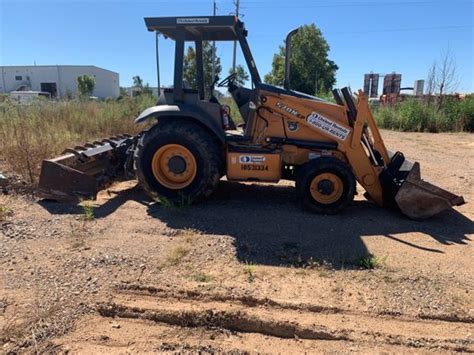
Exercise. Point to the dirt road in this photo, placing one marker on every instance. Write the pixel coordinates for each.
(245, 272)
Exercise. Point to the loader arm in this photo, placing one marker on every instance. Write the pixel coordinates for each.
(393, 181)
(365, 170)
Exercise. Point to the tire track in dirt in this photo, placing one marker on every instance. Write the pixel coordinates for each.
(277, 319)
(232, 320)
(252, 301)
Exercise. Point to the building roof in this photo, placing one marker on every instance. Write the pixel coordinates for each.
(56, 65)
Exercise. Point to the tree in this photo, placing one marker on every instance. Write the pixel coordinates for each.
(137, 82)
(312, 71)
(139, 88)
(189, 69)
(241, 76)
(85, 85)
(442, 77)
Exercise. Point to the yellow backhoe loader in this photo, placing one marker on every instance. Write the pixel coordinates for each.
(324, 147)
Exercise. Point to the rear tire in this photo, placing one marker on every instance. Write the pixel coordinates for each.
(325, 185)
(178, 160)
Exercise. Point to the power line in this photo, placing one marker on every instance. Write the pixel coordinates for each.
(263, 4)
(404, 29)
(384, 30)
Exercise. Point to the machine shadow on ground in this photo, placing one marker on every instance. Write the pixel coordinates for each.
(270, 228)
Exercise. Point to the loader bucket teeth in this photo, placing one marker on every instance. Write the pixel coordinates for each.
(84, 170)
(419, 199)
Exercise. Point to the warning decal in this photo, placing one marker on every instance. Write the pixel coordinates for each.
(328, 126)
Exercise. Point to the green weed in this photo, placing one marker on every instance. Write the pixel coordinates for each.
(249, 271)
(371, 262)
(88, 211)
(181, 204)
(201, 277)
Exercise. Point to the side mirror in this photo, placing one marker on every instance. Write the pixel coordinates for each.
(216, 79)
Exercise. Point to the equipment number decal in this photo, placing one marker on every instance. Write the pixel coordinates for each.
(254, 167)
(328, 126)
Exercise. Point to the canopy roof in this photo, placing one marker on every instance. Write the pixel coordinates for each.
(207, 28)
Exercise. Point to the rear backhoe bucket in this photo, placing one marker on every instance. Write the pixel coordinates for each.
(419, 199)
(80, 173)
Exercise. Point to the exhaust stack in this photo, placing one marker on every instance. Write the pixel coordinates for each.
(289, 36)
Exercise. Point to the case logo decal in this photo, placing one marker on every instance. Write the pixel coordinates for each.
(290, 110)
(329, 126)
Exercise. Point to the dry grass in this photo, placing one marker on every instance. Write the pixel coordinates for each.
(29, 134)
(42, 321)
(175, 255)
(79, 234)
(5, 208)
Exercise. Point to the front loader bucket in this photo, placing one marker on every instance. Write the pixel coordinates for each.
(80, 173)
(419, 199)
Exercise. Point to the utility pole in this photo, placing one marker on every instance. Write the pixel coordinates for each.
(237, 3)
(157, 66)
(214, 9)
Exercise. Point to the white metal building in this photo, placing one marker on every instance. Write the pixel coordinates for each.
(59, 80)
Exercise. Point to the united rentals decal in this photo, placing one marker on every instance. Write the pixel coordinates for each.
(326, 125)
(252, 159)
(192, 21)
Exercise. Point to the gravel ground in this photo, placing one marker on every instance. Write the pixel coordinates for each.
(141, 277)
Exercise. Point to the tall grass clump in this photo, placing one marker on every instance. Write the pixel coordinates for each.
(418, 116)
(43, 129)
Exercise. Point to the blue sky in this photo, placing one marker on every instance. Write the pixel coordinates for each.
(364, 35)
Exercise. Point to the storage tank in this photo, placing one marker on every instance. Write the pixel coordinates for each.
(419, 87)
(391, 83)
(371, 85)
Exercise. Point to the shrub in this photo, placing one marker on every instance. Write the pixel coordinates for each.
(461, 113)
(414, 115)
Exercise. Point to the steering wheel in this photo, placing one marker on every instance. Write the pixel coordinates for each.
(227, 80)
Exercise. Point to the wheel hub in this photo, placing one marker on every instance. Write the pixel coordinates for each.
(177, 165)
(326, 187)
(174, 166)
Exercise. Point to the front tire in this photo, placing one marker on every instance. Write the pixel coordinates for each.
(325, 185)
(178, 160)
